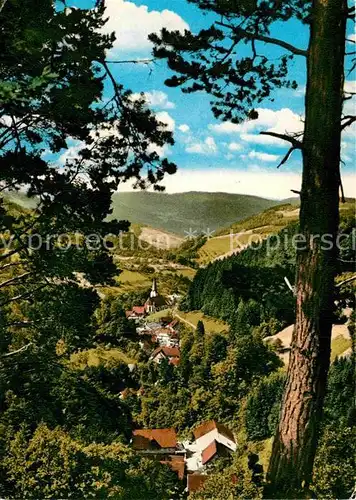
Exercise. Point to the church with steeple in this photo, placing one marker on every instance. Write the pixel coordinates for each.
(155, 301)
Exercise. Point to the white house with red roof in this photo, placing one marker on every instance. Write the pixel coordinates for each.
(166, 337)
(155, 441)
(211, 440)
(137, 312)
(172, 354)
(162, 445)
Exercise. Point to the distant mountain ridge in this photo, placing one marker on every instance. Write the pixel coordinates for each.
(194, 211)
(180, 213)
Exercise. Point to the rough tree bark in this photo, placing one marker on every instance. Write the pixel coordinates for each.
(296, 438)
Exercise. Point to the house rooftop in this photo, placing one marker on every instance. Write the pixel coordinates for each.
(209, 452)
(163, 331)
(206, 427)
(139, 309)
(177, 464)
(170, 352)
(148, 439)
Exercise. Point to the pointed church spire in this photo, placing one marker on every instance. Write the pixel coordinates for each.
(154, 288)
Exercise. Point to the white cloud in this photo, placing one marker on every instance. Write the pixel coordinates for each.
(166, 118)
(71, 153)
(300, 91)
(257, 181)
(350, 86)
(281, 121)
(162, 151)
(208, 147)
(132, 24)
(235, 146)
(210, 142)
(156, 98)
(263, 156)
(6, 121)
(254, 181)
(184, 128)
(225, 128)
(262, 139)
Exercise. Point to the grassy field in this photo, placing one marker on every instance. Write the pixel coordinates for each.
(214, 247)
(133, 279)
(212, 325)
(271, 221)
(127, 281)
(160, 314)
(338, 346)
(276, 217)
(187, 272)
(222, 245)
(98, 356)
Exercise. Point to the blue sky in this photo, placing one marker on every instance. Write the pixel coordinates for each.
(215, 156)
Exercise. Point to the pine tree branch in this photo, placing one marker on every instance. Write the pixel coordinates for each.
(10, 264)
(14, 279)
(287, 156)
(24, 295)
(353, 278)
(295, 143)
(20, 323)
(350, 119)
(24, 348)
(12, 184)
(131, 61)
(266, 39)
(2, 4)
(343, 199)
(12, 252)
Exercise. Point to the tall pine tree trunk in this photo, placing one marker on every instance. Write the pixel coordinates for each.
(296, 438)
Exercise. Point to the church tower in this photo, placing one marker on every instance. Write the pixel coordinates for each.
(154, 292)
(155, 301)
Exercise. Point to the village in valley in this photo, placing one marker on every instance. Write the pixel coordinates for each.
(164, 334)
(158, 332)
(189, 459)
(158, 329)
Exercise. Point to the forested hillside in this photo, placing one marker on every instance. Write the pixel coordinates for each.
(254, 278)
(181, 212)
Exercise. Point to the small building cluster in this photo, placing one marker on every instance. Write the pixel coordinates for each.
(154, 303)
(189, 460)
(159, 339)
(171, 354)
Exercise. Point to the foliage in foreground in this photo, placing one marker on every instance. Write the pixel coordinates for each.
(334, 467)
(50, 464)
